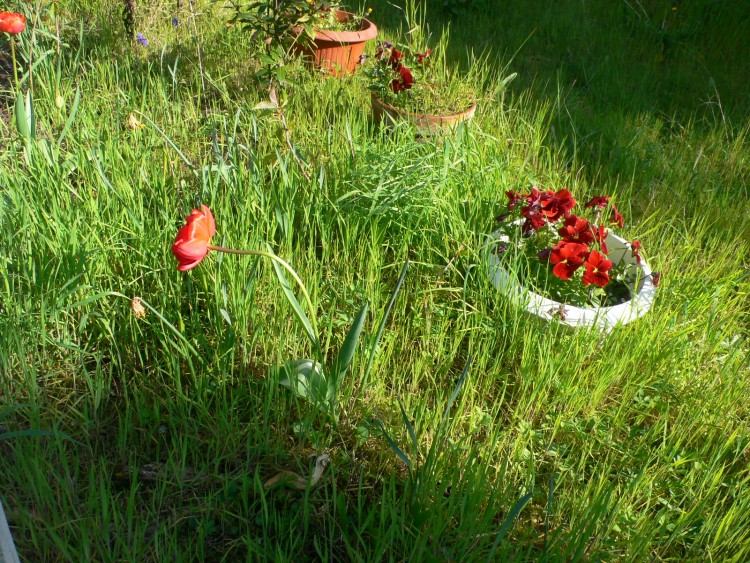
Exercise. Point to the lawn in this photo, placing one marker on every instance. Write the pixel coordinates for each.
(464, 429)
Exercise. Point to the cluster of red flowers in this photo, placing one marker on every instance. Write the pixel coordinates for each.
(405, 79)
(578, 234)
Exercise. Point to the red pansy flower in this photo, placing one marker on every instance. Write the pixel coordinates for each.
(601, 235)
(399, 85)
(635, 251)
(395, 59)
(422, 56)
(533, 198)
(534, 220)
(567, 258)
(576, 229)
(616, 217)
(12, 23)
(597, 267)
(600, 201)
(513, 199)
(555, 205)
(656, 278)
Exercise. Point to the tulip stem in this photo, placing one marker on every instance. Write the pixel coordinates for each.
(13, 56)
(282, 263)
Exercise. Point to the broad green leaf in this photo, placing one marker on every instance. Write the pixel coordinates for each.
(387, 313)
(346, 354)
(22, 119)
(306, 379)
(296, 307)
(71, 117)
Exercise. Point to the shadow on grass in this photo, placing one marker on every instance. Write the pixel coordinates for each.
(621, 77)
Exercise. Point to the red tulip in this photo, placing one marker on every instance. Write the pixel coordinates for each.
(191, 244)
(12, 23)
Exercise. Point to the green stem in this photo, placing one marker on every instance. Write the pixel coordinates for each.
(13, 56)
(282, 263)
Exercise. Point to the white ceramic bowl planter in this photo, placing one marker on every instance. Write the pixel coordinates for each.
(604, 318)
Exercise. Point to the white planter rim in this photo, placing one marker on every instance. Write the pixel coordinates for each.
(603, 318)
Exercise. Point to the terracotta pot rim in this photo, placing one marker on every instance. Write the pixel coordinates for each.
(467, 112)
(369, 31)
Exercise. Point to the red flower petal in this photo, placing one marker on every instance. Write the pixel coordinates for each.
(192, 240)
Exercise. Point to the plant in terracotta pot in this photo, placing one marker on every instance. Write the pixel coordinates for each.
(416, 86)
(570, 266)
(332, 37)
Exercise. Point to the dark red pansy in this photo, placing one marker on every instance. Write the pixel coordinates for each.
(597, 267)
(656, 279)
(395, 59)
(556, 205)
(567, 258)
(513, 199)
(422, 56)
(404, 83)
(600, 201)
(534, 220)
(533, 197)
(601, 235)
(635, 251)
(616, 217)
(576, 229)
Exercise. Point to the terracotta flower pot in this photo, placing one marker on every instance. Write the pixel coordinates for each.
(603, 318)
(338, 52)
(426, 124)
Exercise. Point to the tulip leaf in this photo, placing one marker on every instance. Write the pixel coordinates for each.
(346, 354)
(306, 379)
(71, 117)
(296, 307)
(22, 118)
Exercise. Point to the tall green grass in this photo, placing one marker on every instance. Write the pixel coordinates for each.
(165, 428)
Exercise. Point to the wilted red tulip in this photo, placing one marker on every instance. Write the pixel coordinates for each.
(12, 23)
(192, 241)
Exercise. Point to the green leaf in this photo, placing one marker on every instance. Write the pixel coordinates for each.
(296, 307)
(457, 389)
(398, 451)
(512, 515)
(22, 119)
(410, 428)
(386, 314)
(71, 117)
(346, 354)
(306, 379)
